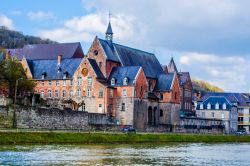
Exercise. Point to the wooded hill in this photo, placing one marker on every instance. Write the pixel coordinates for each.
(203, 87)
(15, 39)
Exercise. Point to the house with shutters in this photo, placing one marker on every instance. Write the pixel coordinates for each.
(127, 84)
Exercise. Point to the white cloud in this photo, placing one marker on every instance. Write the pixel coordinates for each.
(5, 21)
(40, 15)
(84, 28)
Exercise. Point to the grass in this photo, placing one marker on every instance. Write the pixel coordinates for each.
(7, 138)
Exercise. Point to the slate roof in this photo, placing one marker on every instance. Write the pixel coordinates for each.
(164, 82)
(119, 73)
(96, 68)
(184, 77)
(109, 29)
(239, 98)
(48, 51)
(132, 57)
(50, 67)
(213, 100)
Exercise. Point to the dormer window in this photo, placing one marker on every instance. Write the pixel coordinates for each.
(201, 106)
(224, 106)
(209, 106)
(44, 75)
(217, 106)
(113, 81)
(65, 75)
(125, 81)
(59, 69)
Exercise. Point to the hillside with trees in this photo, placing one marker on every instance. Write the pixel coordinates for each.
(203, 87)
(15, 39)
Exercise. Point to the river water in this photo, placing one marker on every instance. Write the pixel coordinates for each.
(143, 154)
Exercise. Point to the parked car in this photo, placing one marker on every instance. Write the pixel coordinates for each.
(241, 132)
(129, 130)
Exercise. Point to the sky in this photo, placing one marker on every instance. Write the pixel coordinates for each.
(208, 38)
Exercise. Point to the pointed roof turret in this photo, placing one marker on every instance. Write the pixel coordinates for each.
(172, 67)
(109, 33)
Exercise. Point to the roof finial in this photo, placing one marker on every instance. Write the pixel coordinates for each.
(109, 32)
(109, 15)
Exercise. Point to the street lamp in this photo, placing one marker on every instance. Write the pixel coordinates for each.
(14, 113)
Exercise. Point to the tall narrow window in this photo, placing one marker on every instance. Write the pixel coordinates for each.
(224, 106)
(125, 81)
(123, 107)
(49, 83)
(100, 92)
(79, 81)
(113, 81)
(42, 94)
(78, 92)
(161, 96)
(111, 93)
(161, 113)
(213, 114)
(56, 93)
(89, 92)
(89, 81)
(100, 108)
(64, 93)
(203, 114)
(57, 83)
(49, 93)
(42, 83)
(71, 82)
(201, 106)
(124, 92)
(71, 93)
(209, 106)
(64, 82)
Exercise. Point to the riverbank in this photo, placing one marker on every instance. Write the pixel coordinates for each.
(7, 138)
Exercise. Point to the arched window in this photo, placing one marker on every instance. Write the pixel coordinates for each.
(161, 113)
(64, 93)
(125, 81)
(217, 106)
(113, 81)
(224, 106)
(42, 94)
(201, 106)
(209, 106)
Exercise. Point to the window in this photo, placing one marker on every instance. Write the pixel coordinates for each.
(175, 95)
(217, 106)
(42, 83)
(78, 92)
(57, 83)
(100, 64)
(95, 52)
(123, 107)
(79, 81)
(224, 106)
(64, 93)
(65, 75)
(71, 82)
(161, 96)
(84, 107)
(49, 83)
(113, 81)
(203, 114)
(201, 106)
(209, 106)
(100, 108)
(49, 93)
(111, 93)
(71, 93)
(125, 81)
(89, 92)
(124, 92)
(213, 114)
(89, 81)
(222, 115)
(56, 93)
(42, 94)
(161, 113)
(64, 82)
(100, 92)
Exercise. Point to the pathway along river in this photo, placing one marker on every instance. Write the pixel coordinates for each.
(143, 154)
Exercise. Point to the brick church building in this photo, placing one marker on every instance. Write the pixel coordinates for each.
(128, 85)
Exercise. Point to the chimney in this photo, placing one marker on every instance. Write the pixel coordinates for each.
(8, 55)
(59, 59)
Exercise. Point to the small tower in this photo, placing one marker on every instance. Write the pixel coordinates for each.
(172, 67)
(109, 33)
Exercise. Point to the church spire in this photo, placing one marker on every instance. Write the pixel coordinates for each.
(172, 67)
(109, 32)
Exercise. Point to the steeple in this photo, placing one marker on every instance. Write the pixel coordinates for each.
(172, 67)
(109, 33)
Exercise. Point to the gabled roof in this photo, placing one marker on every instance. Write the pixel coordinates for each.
(50, 67)
(132, 57)
(119, 73)
(184, 77)
(213, 100)
(48, 51)
(109, 29)
(164, 82)
(96, 69)
(172, 67)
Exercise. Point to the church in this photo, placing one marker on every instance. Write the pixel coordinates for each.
(128, 85)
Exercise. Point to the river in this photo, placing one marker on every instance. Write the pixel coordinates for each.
(143, 154)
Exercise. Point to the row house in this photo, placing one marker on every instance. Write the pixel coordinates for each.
(232, 108)
(126, 84)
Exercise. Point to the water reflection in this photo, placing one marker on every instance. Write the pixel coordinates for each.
(171, 154)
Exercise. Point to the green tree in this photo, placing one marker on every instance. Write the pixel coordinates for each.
(12, 70)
